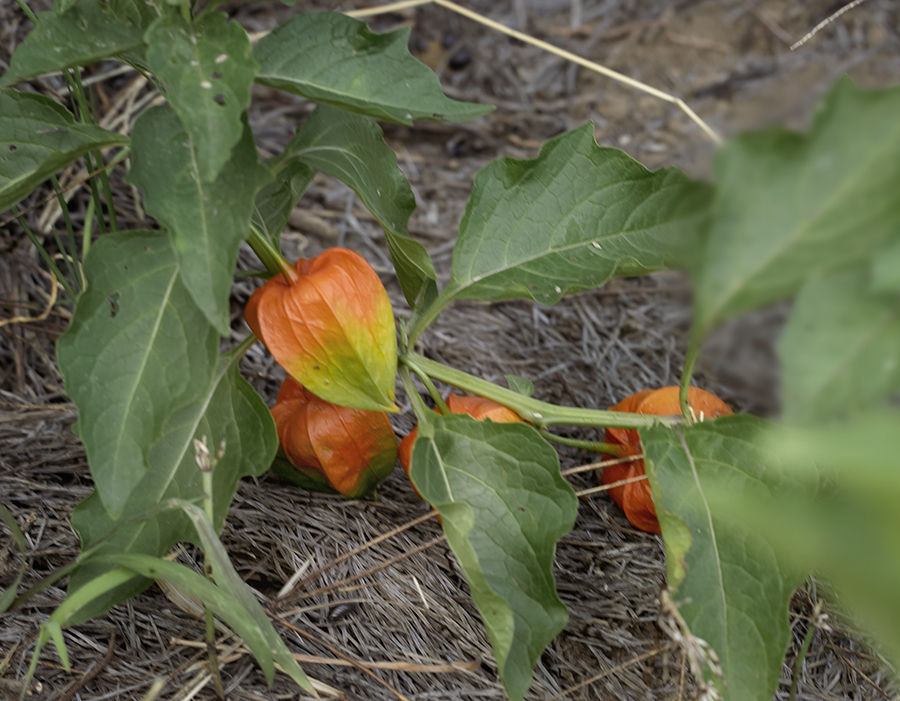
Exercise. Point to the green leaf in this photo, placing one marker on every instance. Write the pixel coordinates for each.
(333, 59)
(37, 138)
(732, 588)
(137, 351)
(840, 350)
(351, 148)
(87, 32)
(9, 595)
(503, 505)
(276, 200)
(791, 205)
(570, 219)
(886, 270)
(208, 71)
(850, 536)
(229, 410)
(519, 384)
(229, 580)
(207, 221)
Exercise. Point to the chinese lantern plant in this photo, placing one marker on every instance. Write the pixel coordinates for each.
(141, 358)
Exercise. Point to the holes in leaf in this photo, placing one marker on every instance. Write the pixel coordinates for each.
(219, 99)
(216, 75)
(113, 300)
(13, 147)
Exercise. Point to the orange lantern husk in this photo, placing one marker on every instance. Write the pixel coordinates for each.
(353, 449)
(636, 498)
(331, 329)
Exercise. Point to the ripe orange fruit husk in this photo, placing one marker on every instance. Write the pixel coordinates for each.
(353, 449)
(636, 499)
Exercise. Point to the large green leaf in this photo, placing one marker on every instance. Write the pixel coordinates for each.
(569, 220)
(732, 587)
(137, 350)
(851, 535)
(37, 138)
(351, 148)
(840, 350)
(793, 205)
(503, 505)
(333, 59)
(85, 33)
(208, 70)
(228, 410)
(207, 221)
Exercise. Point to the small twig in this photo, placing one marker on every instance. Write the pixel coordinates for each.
(606, 673)
(91, 674)
(612, 485)
(600, 465)
(281, 601)
(337, 653)
(372, 570)
(825, 22)
(54, 289)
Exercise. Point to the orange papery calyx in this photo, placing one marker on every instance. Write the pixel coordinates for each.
(353, 449)
(331, 327)
(478, 408)
(636, 498)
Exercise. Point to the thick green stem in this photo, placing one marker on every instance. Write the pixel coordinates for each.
(27, 11)
(419, 408)
(617, 451)
(271, 257)
(540, 414)
(435, 395)
(690, 359)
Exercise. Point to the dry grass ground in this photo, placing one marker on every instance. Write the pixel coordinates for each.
(395, 619)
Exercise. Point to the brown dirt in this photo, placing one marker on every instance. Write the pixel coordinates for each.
(730, 61)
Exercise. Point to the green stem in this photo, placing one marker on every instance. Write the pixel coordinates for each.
(801, 657)
(46, 256)
(421, 411)
(435, 395)
(27, 11)
(540, 414)
(690, 359)
(271, 257)
(72, 250)
(617, 451)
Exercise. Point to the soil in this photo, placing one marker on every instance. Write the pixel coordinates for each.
(400, 608)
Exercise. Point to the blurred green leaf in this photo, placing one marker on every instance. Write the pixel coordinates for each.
(208, 70)
(851, 535)
(9, 594)
(276, 200)
(791, 205)
(569, 220)
(335, 60)
(86, 32)
(351, 148)
(37, 138)
(207, 221)
(840, 350)
(886, 270)
(503, 505)
(732, 586)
